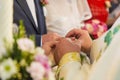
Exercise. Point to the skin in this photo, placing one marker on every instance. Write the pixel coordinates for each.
(76, 40)
(50, 37)
(64, 46)
(49, 47)
(83, 36)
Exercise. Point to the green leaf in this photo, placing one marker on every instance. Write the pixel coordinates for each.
(21, 32)
(116, 29)
(32, 37)
(108, 37)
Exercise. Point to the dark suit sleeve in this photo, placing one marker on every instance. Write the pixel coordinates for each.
(38, 40)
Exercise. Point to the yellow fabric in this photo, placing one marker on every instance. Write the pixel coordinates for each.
(68, 57)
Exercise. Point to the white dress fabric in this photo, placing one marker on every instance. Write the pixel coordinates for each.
(106, 66)
(64, 15)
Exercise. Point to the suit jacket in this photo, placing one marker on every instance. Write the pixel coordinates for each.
(22, 12)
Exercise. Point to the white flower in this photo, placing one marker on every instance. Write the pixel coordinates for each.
(7, 69)
(15, 28)
(39, 50)
(36, 70)
(26, 44)
(2, 50)
(51, 76)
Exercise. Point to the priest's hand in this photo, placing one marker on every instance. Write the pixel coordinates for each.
(64, 46)
(49, 47)
(83, 36)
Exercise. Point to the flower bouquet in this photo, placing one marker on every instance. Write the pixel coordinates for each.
(24, 61)
(95, 28)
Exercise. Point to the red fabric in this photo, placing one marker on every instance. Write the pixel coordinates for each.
(98, 9)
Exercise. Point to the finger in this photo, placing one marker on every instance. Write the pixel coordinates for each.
(58, 39)
(74, 33)
(62, 41)
(72, 38)
(54, 34)
(52, 43)
(78, 42)
(71, 33)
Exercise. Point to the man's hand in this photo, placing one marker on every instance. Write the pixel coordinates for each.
(64, 46)
(50, 37)
(83, 36)
(49, 47)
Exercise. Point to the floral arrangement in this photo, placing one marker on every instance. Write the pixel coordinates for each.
(95, 28)
(44, 2)
(24, 61)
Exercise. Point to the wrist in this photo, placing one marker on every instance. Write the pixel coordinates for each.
(69, 57)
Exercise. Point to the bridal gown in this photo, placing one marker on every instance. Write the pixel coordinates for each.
(64, 15)
(105, 55)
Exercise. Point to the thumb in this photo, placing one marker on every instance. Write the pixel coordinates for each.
(51, 43)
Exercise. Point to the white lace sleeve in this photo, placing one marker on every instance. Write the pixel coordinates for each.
(84, 10)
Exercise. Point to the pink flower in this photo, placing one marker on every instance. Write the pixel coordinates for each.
(44, 2)
(26, 44)
(95, 28)
(37, 71)
(43, 59)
